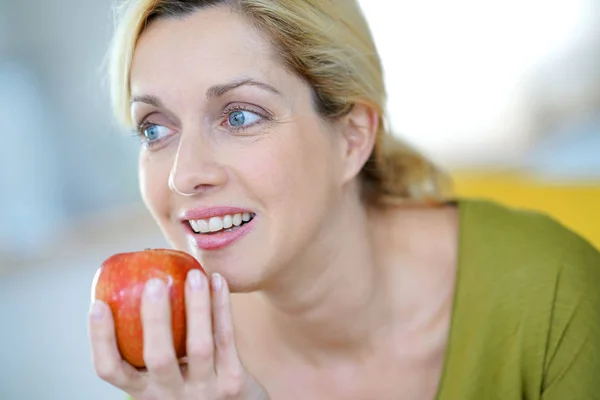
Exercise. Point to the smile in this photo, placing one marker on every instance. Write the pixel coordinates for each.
(226, 223)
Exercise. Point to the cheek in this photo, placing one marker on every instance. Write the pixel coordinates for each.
(153, 181)
(294, 168)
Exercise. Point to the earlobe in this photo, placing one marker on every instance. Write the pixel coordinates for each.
(360, 127)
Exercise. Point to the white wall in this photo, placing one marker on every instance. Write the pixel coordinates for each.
(62, 155)
(462, 74)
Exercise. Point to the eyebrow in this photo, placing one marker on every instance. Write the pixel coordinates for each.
(220, 90)
(148, 99)
(211, 93)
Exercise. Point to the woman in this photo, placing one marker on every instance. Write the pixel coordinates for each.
(265, 155)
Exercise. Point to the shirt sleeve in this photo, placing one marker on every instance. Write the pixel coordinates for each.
(572, 359)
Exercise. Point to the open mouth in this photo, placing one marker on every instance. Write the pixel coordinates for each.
(224, 223)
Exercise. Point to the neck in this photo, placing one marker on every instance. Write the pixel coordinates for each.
(332, 302)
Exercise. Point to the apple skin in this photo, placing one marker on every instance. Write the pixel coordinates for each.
(120, 282)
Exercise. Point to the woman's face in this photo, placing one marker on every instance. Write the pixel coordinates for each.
(237, 134)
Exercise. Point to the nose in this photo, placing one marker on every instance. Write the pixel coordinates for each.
(195, 168)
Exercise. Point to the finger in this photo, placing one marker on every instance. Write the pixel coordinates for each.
(106, 358)
(227, 361)
(159, 353)
(200, 344)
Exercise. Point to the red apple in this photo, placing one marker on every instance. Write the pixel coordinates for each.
(120, 282)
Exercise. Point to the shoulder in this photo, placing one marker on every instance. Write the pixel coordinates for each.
(518, 228)
(526, 308)
(520, 237)
(524, 262)
(528, 294)
(546, 272)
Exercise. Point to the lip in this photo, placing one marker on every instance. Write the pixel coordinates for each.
(219, 240)
(206, 213)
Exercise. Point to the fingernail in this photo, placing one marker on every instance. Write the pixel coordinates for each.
(97, 310)
(154, 288)
(217, 281)
(195, 279)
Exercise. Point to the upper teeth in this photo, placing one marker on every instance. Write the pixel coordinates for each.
(216, 224)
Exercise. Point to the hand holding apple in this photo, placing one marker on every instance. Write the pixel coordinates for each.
(164, 307)
(120, 283)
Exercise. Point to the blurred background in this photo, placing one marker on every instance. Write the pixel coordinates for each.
(504, 94)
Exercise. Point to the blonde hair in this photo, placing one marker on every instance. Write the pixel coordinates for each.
(325, 42)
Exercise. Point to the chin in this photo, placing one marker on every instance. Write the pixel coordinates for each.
(243, 265)
(242, 271)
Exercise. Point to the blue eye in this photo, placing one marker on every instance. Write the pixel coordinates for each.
(241, 118)
(153, 132)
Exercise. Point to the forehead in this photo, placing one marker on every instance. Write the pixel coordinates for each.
(209, 46)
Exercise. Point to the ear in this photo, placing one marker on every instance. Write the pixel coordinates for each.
(359, 130)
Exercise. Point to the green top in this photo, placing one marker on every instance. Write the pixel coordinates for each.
(526, 316)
